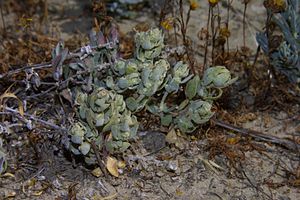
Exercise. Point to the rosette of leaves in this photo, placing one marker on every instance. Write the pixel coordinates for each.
(285, 58)
(81, 136)
(122, 131)
(104, 107)
(180, 74)
(127, 76)
(148, 45)
(210, 87)
(198, 112)
(100, 112)
(153, 77)
(217, 77)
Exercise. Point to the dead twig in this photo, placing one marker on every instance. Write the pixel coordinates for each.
(35, 119)
(36, 66)
(207, 37)
(291, 145)
(99, 160)
(244, 21)
(2, 17)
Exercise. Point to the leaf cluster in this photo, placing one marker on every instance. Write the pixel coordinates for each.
(109, 98)
(285, 57)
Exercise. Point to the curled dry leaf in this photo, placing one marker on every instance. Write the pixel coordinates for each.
(11, 95)
(112, 166)
(97, 172)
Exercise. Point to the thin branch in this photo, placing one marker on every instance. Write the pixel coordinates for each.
(291, 145)
(2, 17)
(99, 160)
(79, 53)
(244, 22)
(207, 37)
(54, 126)
(36, 66)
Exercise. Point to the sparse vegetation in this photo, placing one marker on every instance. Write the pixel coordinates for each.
(169, 100)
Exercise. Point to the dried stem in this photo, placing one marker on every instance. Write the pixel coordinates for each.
(183, 28)
(207, 37)
(99, 160)
(244, 22)
(268, 33)
(54, 126)
(2, 17)
(291, 145)
(175, 31)
(163, 11)
(229, 2)
(21, 69)
(212, 26)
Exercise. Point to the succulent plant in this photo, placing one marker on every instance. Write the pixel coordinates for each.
(153, 77)
(127, 76)
(180, 75)
(210, 87)
(109, 98)
(148, 45)
(81, 136)
(102, 111)
(286, 57)
(198, 112)
(217, 77)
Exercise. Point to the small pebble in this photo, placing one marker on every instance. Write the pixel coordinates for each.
(172, 165)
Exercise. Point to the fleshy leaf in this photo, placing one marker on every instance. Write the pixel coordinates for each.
(192, 87)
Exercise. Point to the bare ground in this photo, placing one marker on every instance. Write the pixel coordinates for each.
(192, 168)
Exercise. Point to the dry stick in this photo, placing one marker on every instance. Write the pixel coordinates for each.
(207, 38)
(46, 10)
(2, 17)
(100, 162)
(175, 32)
(35, 119)
(183, 27)
(44, 65)
(212, 26)
(291, 145)
(244, 23)
(162, 11)
(268, 33)
(256, 56)
(227, 22)
(37, 66)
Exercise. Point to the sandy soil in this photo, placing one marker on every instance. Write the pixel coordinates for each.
(185, 171)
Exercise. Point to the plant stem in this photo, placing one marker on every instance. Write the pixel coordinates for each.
(207, 38)
(212, 26)
(244, 23)
(54, 126)
(260, 136)
(2, 17)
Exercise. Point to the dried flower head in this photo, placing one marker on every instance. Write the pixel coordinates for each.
(275, 5)
(194, 4)
(213, 2)
(168, 23)
(224, 32)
